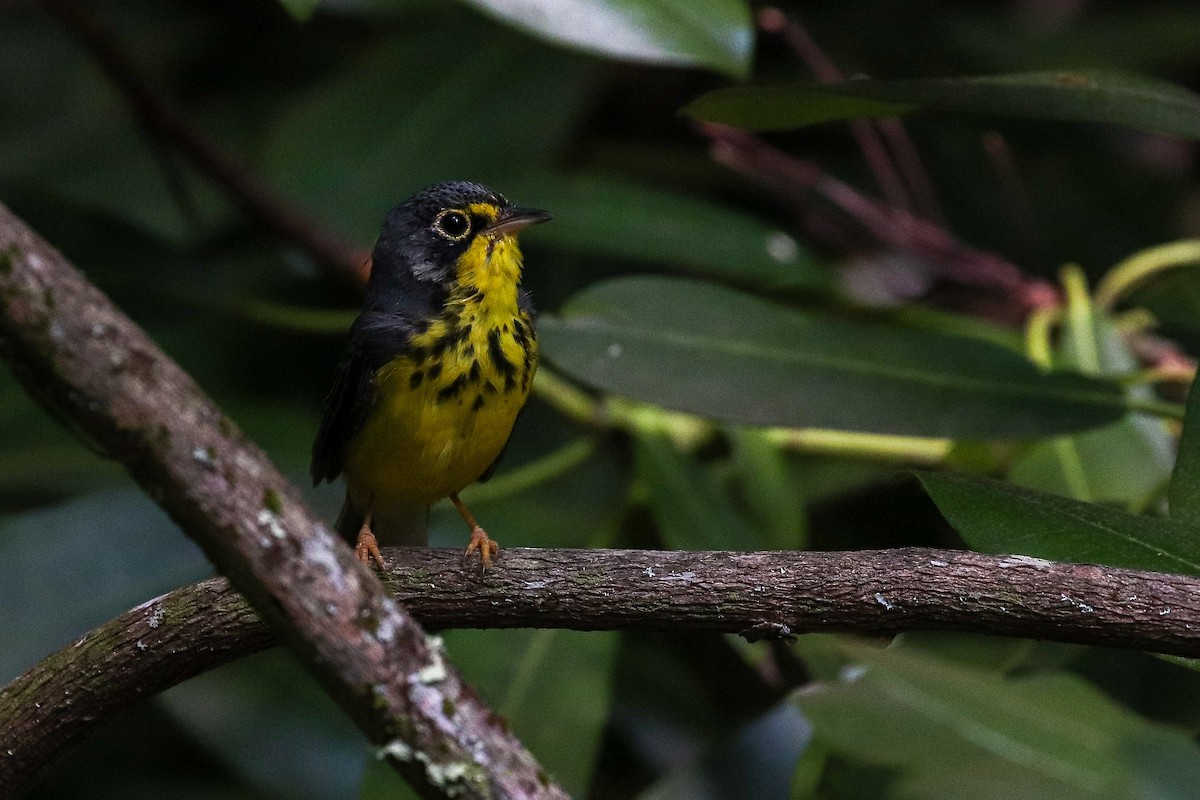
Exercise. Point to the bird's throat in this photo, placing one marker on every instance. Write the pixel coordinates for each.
(492, 267)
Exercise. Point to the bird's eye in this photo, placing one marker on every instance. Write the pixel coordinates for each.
(453, 225)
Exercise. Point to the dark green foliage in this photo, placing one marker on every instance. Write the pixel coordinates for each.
(1074, 95)
(682, 276)
(711, 351)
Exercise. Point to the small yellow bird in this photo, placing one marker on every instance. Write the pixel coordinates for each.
(439, 364)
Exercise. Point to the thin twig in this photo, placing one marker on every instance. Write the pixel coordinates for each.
(772, 20)
(71, 348)
(799, 180)
(1014, 193)
(897, 166)
(908, 161)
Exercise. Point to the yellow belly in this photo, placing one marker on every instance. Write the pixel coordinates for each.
(430, 436)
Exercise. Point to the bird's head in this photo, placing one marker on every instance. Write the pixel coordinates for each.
(455, 231)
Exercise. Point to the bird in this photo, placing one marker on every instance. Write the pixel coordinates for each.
(440, 362)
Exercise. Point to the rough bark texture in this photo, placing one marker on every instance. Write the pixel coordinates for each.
(136, 655)
(760, 595)
(88, 363)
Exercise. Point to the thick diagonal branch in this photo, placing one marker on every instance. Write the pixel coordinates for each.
(80, 356)
(193, 629)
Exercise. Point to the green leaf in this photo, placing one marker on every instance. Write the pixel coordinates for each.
(1173, 298)
(381, 782)
(300, 9)
(1164, 764)
(57, 155)
(810, 771)
(1180, 661)
(779, 108)
(1157, 38)
(977, 651)
(997, 517)
(552, 687)
(755, 761)
(768, 489)
(1081, 96)
(604, 216)
(712, 351)
(933, 319)
(295, 319)
(42, 459)
(1127, 462)
(702, 33)
(313, 751)
(1049, 735)
(349, 156)
(108, 539)
(689, 506)
(1184, 492)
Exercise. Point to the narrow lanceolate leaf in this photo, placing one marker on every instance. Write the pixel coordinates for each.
(687, 502)
(1080, 96)
(703, 33)
(535, 675)
(365, 169)
(712, 351)
(1184, 492)
(300, 9)
(1045, 735)
(1126, 463)
(998, 517)
(297, 319)
(611, 218)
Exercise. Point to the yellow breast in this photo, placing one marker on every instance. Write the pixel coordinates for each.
(445, 408)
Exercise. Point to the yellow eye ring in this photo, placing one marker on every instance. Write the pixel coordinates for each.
(453, 224)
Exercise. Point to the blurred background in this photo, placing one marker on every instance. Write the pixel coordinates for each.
(183, 154)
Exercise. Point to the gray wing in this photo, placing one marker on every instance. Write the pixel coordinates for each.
(375, 339)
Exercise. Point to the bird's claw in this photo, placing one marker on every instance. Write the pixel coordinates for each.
(487, 547)
(367, 548)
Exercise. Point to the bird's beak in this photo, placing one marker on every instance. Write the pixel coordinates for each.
(514, 218)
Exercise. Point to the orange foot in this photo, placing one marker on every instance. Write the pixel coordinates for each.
(487, 547)
(367, 547)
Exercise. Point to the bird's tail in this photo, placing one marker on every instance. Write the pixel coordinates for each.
(399, 525)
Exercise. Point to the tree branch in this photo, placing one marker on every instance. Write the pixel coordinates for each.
(760, 595)
(78, 355)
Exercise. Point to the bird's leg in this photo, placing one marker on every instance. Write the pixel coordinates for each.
(479, 539)
(367, 547)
